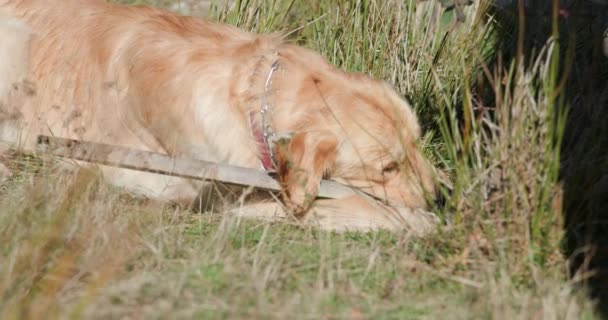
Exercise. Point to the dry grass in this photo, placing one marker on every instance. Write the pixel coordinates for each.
(73, 247)
(88, 251)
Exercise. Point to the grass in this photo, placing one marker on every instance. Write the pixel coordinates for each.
(499, 127)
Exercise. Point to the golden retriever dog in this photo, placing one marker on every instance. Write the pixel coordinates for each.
(149, 79)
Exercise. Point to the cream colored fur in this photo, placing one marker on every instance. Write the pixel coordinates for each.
(146, 78)
(14, 51)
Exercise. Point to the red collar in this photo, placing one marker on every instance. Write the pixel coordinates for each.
(261, 139)
(261, 128)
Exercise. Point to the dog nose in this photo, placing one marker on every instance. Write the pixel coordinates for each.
(441, 194)
(439, 199)
(443, 189)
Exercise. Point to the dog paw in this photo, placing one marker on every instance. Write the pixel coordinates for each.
(299, 199)
(301, 162)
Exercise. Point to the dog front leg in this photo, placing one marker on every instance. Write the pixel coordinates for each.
(302, 162)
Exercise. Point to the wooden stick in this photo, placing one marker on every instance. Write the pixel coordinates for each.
(159, 163)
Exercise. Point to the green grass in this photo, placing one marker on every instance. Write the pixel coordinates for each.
(86, 250)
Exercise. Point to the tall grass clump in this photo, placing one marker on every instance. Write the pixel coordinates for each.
(503, 158)
(63, 237)
(497, 119)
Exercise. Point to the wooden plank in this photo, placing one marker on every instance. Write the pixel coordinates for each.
(159, 163)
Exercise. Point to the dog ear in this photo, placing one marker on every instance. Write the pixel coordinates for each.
(302, 162)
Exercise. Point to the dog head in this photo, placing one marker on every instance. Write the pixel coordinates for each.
(378, 149)
(350, 128)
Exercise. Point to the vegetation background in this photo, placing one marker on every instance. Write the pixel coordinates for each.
(513, 102)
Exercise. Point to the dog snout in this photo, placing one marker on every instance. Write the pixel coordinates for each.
(442, 193)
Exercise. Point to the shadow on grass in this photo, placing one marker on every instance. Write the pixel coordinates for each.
(584, 157)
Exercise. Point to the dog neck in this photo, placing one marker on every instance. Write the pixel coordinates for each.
(261, 120)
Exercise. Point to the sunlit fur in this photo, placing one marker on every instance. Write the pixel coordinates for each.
(146, 78)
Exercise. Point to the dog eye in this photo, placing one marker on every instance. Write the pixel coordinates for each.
(391, 168)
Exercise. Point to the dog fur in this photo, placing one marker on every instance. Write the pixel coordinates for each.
(145, 78)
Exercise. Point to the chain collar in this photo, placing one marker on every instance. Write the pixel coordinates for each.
(262, 130)
(265, 109)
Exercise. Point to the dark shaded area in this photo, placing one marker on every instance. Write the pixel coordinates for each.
(584, 161)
